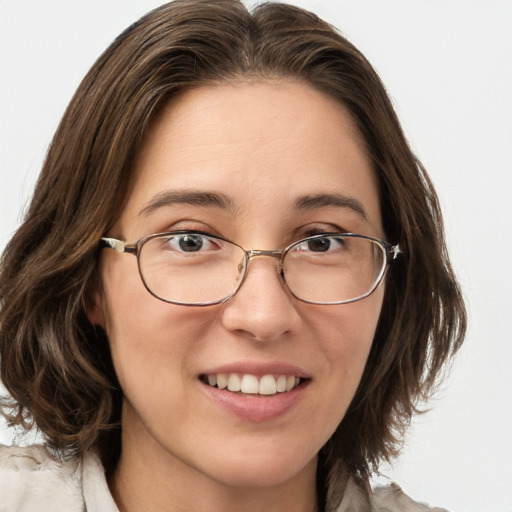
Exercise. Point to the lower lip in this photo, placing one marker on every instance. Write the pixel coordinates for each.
(256, 408)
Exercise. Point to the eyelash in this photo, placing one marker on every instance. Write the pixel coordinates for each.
(303, 232)
(320, 230)
(192, 225)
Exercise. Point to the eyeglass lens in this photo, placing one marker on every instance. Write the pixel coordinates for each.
(194, 268)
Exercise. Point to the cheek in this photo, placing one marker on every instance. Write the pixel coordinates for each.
(147, 335)
(344, 337)
(146, 332)
(349, 329)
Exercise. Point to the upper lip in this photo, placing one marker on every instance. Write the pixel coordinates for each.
(258, 369)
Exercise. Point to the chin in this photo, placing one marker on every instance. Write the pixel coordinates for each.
(271, 469)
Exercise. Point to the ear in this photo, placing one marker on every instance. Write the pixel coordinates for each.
(95, 308)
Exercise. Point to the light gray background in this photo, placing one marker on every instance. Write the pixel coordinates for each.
(448, 67)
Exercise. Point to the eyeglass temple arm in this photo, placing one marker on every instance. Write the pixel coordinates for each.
(393, 252)
(117, 245)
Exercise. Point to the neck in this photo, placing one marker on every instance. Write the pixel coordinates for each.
(146, 480)
(176, 491)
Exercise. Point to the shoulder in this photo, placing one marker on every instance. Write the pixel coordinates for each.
(348, 493)
(391, 498)
(32, 480)
(359, 496)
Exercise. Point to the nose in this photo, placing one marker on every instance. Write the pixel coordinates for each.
(263, 309)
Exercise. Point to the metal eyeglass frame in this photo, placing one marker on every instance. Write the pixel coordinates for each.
(391, 252)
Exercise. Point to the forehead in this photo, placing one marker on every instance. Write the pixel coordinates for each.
(267, 143)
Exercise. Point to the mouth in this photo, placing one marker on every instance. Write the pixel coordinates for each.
(248, 384)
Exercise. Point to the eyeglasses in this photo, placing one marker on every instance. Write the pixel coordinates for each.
(194, 268)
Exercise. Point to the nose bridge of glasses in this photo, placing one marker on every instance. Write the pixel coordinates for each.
(255, 253)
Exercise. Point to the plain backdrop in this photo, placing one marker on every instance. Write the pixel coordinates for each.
(448, 67)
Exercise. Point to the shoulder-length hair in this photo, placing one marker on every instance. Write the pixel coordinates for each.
(57, 366)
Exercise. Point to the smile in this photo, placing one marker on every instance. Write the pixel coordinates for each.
(250, 384)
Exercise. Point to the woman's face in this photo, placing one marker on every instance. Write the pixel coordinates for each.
(263, 148)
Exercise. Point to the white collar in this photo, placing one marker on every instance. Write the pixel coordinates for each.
(97, 495)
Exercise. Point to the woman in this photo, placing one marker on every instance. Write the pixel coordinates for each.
(231, 288)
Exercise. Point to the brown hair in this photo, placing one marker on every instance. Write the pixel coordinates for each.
(56, 365)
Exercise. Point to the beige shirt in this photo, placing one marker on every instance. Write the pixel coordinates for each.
(32, 481)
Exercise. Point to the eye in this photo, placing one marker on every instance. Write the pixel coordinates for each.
(191, 242)
(320, 244)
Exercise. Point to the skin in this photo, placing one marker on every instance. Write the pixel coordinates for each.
(264, 145)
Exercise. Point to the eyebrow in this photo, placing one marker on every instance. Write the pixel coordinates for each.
(192, 197)
(313, 201)
(222, 201)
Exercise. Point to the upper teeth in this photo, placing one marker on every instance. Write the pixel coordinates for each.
(247, 383)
